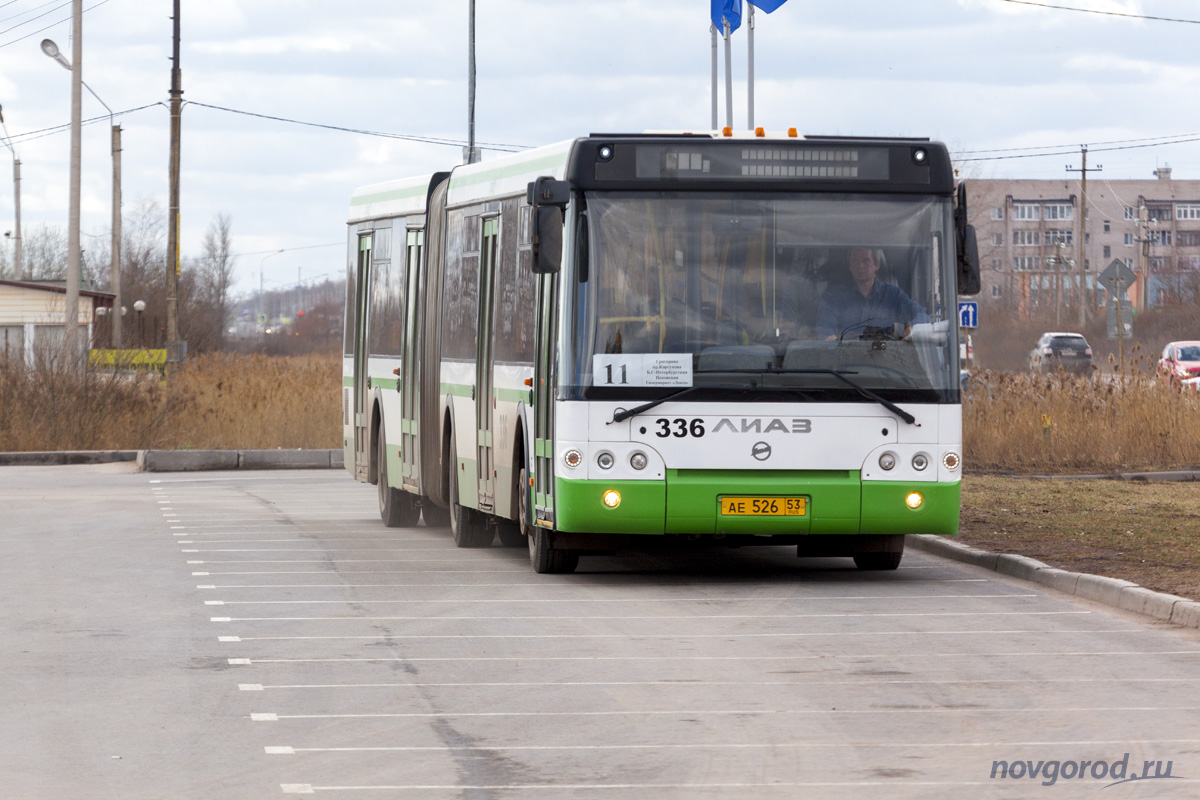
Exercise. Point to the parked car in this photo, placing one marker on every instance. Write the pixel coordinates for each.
(1180, 364)
(1056, 350)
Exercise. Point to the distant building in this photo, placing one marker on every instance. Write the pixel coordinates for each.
(31, 318)
(1029, 235)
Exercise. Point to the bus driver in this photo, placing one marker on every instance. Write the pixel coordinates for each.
(863, 302)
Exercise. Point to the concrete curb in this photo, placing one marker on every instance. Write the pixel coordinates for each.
(1109, 591)
(184, 460)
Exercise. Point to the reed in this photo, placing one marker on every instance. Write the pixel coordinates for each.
(1027, 423)
(215, 401)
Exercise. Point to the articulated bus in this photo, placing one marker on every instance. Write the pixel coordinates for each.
(619, 340)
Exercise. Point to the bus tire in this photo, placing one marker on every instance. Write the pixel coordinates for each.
(547, 561)
(886, 558)
(510, 534)
(434, 515)
(397, 508)
(468, 527)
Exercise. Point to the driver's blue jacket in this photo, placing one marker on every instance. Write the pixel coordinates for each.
(845, 312)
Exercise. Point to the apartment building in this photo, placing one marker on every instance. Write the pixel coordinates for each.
(1033, 237)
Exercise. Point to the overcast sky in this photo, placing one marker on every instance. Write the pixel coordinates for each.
(980, 75)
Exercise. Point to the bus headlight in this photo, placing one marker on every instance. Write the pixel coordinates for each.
(914, 500)
(572, 458)
(605, 460)
(612, 498)
(887, 461)
(920, 462)
(638, 461)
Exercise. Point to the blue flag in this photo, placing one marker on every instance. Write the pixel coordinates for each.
(731, 10)
(765, 5)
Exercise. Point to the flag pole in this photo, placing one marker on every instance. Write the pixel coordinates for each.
(750, 67)
(713, 29)
(728, 77)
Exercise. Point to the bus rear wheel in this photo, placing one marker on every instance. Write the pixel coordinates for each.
(397, 508)
(468, 526)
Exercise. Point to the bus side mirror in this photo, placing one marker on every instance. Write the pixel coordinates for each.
(547, 199)
(969, 281)
(547, 240)
(967, 249)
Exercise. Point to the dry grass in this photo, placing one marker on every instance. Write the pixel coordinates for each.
(213, 402)
(1141, 532)
(1104, 423)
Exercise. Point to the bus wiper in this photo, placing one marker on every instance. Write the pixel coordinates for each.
(624, 414)
(840, 374)
(867, 393)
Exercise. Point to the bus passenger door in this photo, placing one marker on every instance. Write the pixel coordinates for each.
(484, 379)
(410, 452)
(543, 403)
(362, 421)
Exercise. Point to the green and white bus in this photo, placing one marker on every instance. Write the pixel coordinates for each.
(625, 339)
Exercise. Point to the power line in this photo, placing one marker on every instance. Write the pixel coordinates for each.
(42, 132)
(1058, 146)
(509, 148)
(48, 27)
(1105, 13)
(1194, 138)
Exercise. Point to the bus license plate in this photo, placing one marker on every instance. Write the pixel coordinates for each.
(764, 506)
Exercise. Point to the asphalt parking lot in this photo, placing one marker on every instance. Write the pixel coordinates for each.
(255, 635)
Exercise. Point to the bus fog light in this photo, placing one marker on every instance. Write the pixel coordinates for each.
(612, 498)
(638, 461)
(950, 461)
(914, 500)
(920, 462)
(605, 460)
(572, 458)
(887, 461)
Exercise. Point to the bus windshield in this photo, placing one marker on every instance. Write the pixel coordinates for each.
(762, 297)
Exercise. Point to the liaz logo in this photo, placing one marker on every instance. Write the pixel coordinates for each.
(765, 426)
(682, 427)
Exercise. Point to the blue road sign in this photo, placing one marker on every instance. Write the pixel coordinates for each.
(968, 314)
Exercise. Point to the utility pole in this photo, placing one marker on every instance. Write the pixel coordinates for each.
(115, 268)
(71, 309)
(18, 269)
(1084, 299)
(472, 154)
(173, 169)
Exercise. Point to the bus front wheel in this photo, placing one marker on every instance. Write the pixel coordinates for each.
(541, 557)
(885, 559)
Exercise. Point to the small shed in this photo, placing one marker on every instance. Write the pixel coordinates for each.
(31, 318)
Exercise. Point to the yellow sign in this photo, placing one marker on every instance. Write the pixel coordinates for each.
(128, 359)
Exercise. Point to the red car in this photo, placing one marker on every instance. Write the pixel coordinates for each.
(1180, 362)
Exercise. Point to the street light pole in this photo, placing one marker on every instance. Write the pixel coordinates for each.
(71, 312)
(18, 270)
(51, 50)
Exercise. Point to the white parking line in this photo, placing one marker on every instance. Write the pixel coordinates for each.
(639, 600)
(725, 712)
(259, 687)
(492, 617)
(642, 636)
(540, 584)
(308, 788)
(539, 658)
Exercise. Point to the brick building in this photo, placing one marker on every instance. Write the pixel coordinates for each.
(1029, 234)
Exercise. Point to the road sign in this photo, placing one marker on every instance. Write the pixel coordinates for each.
(1118, 272)
(968, 314)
